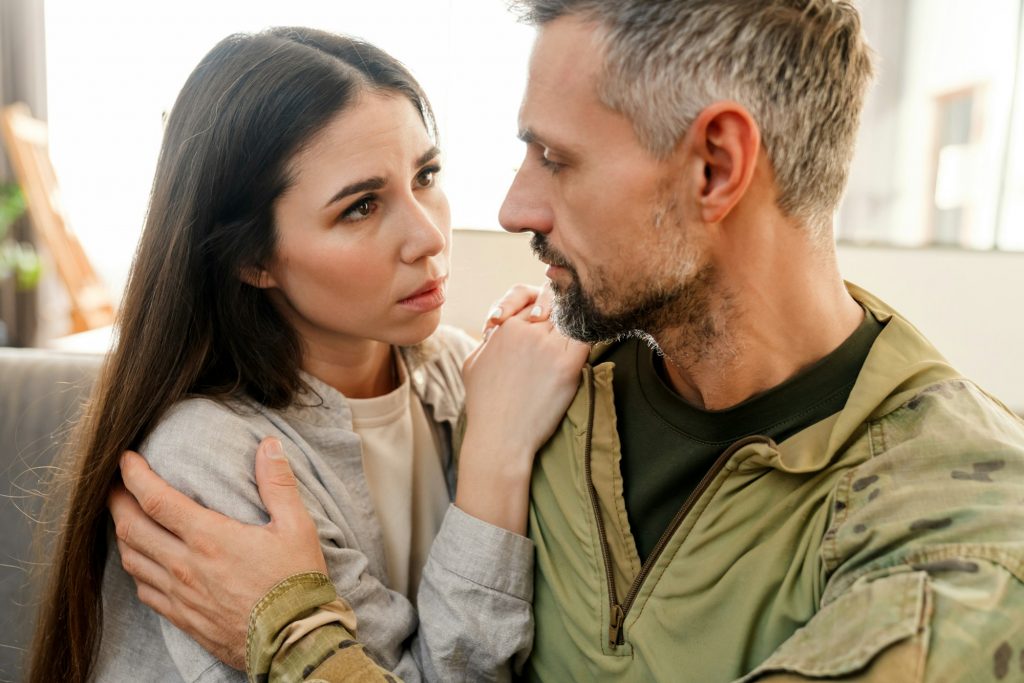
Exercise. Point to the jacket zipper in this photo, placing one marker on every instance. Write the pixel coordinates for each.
(615, 611)
(618, 611)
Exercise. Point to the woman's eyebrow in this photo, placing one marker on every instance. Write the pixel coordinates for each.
(374, 183)
(377, 182)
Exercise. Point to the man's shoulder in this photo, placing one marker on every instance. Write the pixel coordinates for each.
(953, 416)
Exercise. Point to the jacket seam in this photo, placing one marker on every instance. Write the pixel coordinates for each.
(624, 530)
(485, 586)
(830, 543)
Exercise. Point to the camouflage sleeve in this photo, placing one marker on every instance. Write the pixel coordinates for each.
(301, 631)
(925, 555)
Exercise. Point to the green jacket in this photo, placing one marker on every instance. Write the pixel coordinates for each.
(885, 543)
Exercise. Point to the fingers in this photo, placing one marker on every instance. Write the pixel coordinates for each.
(162, 503)
(541, 309)
(143, 569)
(156, 599)
(276, 482)
(137, 531)
(279, 489)
(516, 300)
(542, 306)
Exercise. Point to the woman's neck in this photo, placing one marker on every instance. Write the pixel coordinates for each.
(364, 370)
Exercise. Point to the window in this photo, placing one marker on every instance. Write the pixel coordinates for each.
(115, 67)
(939, 160)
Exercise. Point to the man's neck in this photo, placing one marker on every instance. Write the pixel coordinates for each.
(766, 335)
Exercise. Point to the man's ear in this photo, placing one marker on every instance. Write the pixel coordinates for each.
(257, 276)
(723, 143)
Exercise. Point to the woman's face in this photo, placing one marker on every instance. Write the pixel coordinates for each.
(363, 233)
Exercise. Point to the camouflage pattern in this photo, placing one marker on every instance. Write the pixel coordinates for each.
(885, 543)
(329, 652)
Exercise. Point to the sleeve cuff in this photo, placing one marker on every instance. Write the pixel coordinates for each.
(273, 642)
(487, 555)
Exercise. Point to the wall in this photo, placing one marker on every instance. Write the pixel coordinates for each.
(968, 303)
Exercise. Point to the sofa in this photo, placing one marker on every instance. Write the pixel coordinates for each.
(41, 393)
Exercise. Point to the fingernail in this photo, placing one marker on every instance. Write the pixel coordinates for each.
(536, 311)
(495, 313)
(274, 450)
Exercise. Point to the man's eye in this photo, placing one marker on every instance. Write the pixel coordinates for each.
(427, 176)
(550, 165)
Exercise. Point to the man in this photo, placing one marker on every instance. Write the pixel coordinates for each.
(766, 474)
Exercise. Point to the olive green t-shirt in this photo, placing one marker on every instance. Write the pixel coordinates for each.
(668, 445)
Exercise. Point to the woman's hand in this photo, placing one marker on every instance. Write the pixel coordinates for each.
(519, 298)
(519, 383)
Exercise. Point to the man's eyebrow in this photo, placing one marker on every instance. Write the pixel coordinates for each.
(431, 153)
(532, 137)
(374, 183)
(528, 136)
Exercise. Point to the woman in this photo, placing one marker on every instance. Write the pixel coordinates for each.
(288, 283)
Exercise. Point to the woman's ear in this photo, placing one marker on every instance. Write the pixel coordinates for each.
(256, 276)
(724, 143)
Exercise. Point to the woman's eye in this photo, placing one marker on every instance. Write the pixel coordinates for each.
(360, 210)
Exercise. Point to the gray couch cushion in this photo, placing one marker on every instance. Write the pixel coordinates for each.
(41, 392)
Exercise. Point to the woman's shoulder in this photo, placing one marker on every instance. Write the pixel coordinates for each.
(204, 447)
(204, 420)
(447, 344)
(436, 369)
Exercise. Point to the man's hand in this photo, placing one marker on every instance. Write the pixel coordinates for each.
(203, 571)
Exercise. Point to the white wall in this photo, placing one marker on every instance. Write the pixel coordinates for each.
(968, 303)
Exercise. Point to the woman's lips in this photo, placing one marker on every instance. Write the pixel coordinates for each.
(426, 299)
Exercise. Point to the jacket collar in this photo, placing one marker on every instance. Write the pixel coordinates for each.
(433, 370)
(901, 362)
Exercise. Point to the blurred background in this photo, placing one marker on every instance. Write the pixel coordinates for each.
(933, 221)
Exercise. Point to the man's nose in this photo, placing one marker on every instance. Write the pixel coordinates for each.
(525, 206)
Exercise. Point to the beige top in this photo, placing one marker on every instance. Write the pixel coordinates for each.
(402, 462)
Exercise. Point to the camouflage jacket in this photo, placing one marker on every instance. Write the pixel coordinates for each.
(884, 543)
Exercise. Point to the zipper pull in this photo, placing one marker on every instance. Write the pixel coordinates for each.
(615, 627)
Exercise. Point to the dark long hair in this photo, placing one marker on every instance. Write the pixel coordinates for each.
(188, 324)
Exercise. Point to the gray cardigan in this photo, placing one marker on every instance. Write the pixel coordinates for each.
(475, 621)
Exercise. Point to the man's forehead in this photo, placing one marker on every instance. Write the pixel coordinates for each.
(566, 53)
(562, 84)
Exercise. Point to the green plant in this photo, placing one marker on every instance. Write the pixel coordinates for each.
(17, 258)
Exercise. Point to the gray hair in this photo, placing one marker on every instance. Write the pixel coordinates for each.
(801, 67)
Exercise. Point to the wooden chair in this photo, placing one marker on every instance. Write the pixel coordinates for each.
(28, 149)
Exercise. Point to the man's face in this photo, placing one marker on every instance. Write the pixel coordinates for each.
(611, 220)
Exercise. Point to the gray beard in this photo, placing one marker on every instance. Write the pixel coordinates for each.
(681, 311)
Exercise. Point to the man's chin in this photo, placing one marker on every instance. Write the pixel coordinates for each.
(575, 324)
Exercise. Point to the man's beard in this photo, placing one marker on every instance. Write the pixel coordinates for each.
(682, 305)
